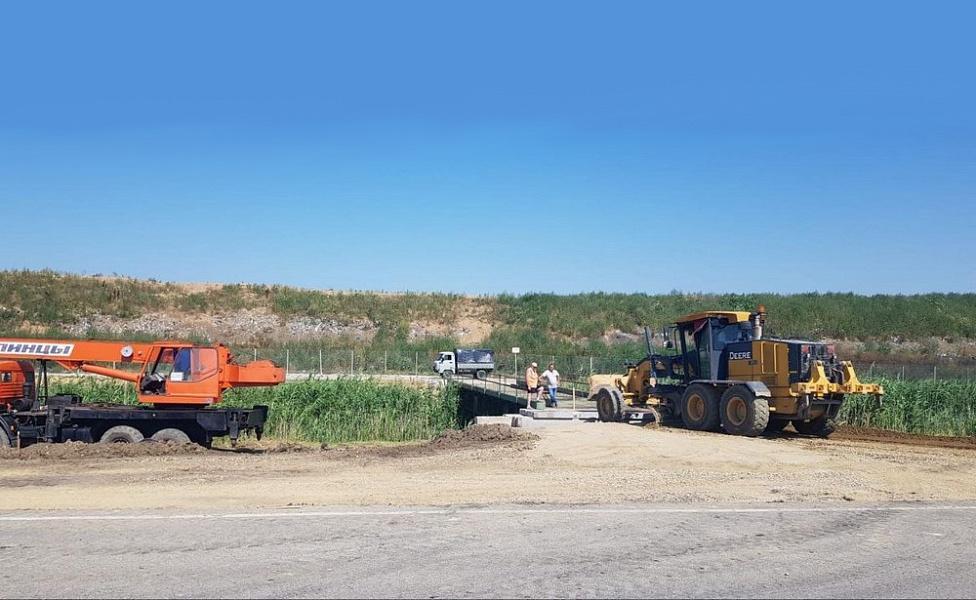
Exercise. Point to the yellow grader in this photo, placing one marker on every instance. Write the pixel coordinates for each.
(722, 374)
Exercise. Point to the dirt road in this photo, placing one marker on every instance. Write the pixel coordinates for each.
(588, 463)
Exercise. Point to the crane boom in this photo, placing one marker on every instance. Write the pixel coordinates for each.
(170, 372)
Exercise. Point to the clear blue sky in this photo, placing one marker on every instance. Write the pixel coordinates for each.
(494, 146)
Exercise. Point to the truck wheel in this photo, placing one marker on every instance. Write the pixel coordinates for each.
(742, 413)
(822, 426)
(480, 374)
(171, 434)
(776, 425)
(121, 434)
(699, 408)
(448, 375)
(4, 439)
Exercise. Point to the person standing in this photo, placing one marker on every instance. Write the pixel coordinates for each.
(532, 383)
(551, 377)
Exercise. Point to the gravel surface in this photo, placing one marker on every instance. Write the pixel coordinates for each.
(578, 464)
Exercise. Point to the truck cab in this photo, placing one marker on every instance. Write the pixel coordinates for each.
(445, 364)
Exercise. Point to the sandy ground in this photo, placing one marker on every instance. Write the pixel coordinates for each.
(581, 464)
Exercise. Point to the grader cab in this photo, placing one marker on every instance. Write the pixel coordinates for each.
(722, 374)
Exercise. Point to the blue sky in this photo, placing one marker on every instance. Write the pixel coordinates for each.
(490, 147)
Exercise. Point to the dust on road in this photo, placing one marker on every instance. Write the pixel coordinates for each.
(586, 463)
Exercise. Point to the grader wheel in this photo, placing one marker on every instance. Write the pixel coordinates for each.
(699, 408)
(609, 405)
(742, 412)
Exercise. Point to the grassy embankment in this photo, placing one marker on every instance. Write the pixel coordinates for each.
(541, 323)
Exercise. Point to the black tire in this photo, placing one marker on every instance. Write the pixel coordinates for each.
(699, 408)
(822, 426)
(121, 434)
(742, 412)
(776, 425)
(172, 435)
(480, 374)
(5, 441)
(609, 405)
(448, 375)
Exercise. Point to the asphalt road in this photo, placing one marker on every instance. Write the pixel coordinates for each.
(767, 550)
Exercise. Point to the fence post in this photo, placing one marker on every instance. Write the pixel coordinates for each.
(352, 362)
(935, 372)
(385, 355)
(255, 353)
(287, 361)
(320, 362)
(416, 364)
(591, 366)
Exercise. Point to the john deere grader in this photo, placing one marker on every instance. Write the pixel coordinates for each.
(721, 374)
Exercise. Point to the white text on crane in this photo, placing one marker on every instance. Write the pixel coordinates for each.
(35, 349)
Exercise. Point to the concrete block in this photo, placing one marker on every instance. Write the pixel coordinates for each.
(496, 420)
(547, 413)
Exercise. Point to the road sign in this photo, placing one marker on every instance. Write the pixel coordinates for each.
(516, 349)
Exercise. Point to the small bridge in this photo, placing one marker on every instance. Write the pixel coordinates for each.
(497, 395)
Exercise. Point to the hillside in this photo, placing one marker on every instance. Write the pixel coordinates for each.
(45, 303)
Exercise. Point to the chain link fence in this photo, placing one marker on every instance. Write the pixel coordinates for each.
(572, 368)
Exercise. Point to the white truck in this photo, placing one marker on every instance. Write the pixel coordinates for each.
(465, 361)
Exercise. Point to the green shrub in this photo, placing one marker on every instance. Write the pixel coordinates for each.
(927, 406)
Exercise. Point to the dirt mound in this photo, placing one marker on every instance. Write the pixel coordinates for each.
(869, 434)
(480, 435)
(471, 438)
(81, 450)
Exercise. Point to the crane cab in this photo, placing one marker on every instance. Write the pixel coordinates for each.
(17, 389)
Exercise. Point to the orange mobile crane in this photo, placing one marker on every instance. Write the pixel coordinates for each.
(176, 385)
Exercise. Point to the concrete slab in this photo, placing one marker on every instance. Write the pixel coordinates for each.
(559, 414)
(494, 420)
(529, 422)
(546, 413)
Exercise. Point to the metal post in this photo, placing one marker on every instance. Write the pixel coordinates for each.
(935, 371)
(385, 356)
(320, 362)
(255, 353)
(352, 362)
(416, 364)
(287, 362)
(591, 366)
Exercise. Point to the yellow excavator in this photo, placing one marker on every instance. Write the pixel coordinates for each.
(722, 374)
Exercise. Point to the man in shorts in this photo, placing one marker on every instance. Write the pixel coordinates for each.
(532, 382)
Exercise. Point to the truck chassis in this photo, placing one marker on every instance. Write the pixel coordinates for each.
(64, 418)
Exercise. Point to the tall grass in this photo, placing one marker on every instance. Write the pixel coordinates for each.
(95, 390)
(353, 410)
(343, 410)
(934, 407)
